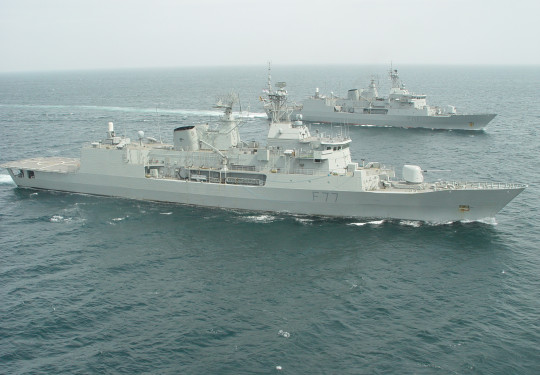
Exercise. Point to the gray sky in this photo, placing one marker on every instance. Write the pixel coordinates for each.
(41, 35)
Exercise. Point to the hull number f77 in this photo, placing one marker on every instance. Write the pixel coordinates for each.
(323, 196)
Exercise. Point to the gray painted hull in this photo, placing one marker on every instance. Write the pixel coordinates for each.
(278, 196)
(450, 122)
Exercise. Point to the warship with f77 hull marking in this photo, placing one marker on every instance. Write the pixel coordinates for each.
(295, 172)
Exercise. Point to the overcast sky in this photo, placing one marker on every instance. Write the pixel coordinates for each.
(37, 35)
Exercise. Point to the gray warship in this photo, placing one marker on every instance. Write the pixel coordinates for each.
(400, 108)
(294, 172)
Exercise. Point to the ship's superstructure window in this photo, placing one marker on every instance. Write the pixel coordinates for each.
(31, 174)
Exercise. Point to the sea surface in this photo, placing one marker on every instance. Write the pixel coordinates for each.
(103, 285)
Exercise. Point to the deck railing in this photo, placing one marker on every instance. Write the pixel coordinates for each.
(458, 185)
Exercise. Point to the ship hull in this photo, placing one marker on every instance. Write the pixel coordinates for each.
(443, 122)
(280, 195)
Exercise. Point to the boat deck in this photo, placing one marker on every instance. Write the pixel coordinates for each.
(52, 164)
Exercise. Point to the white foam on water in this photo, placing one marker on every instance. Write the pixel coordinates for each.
(418, 223)
(60, 219)
(165, 213)
(250, 115)
(260, 218)
(358, 224)
(5, 179)
(435, 224)
(304, 221)
(353, 284)
(132, 109)
(284, 333)
(411, 223)
(374, 222)
(487, 220)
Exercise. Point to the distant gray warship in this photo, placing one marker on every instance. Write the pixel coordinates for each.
(295, 172)
(400, 108)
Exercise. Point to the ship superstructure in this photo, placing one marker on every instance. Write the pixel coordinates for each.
(400, 108)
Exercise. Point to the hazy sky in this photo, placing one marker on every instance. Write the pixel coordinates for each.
(94, 34)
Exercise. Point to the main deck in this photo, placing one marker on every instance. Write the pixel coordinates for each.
(50, 164)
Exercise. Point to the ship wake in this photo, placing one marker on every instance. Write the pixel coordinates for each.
(5, 179)
(181, 111)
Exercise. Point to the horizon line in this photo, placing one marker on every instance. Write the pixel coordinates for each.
(195, 66)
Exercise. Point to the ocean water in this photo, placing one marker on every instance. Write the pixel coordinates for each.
(101, 285)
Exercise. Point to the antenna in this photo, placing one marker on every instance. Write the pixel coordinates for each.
(269, 77)
(227, 102)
